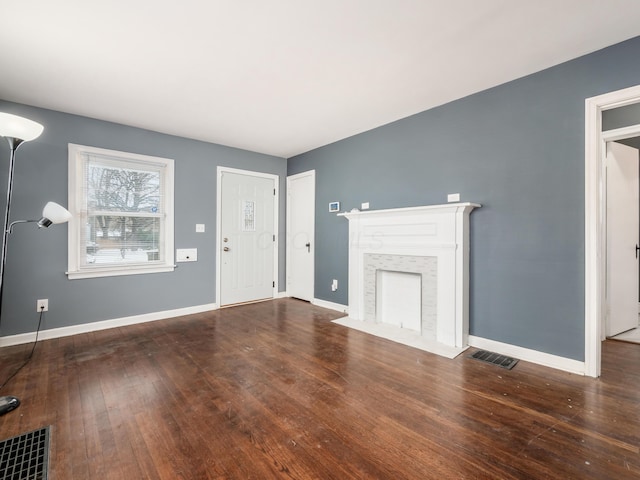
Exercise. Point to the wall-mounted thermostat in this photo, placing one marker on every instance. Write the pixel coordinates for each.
(334, 206)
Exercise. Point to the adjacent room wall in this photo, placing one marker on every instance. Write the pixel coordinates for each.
(517, 149)
(621, 117)
(37, 259)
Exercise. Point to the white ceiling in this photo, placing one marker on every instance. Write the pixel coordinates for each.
(285, 76)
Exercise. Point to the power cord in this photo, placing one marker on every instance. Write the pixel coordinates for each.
(33, 349)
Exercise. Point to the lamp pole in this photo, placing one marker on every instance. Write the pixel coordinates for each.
(7, 402)
(16, 130)
(14, 143)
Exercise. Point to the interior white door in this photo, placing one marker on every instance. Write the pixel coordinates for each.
(623, 220)
(301, 235)
(247, 238)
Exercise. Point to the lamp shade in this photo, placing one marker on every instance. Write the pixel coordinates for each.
(13, 126)
(55, 213)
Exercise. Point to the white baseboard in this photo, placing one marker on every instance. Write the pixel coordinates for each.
(330, 305)
(104, 325)
(528, 355)
(282, 295)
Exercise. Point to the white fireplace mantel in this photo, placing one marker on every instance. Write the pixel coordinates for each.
(440, 231)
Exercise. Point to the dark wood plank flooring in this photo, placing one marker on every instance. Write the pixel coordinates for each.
(276, 391)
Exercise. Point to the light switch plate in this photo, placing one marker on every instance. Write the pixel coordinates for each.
(453, 197)
(187, 255)
(364, 206)
(199, 227)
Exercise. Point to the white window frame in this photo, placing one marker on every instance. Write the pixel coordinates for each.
(76, 270)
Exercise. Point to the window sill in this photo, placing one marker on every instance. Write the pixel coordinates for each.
(114, 272)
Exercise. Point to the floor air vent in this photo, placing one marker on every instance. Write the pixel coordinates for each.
(25, 457)
(495, 359)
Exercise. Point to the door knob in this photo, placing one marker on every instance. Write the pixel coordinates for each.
(226, 249)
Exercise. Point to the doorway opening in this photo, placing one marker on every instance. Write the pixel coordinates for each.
(596, 215)
(622, 163)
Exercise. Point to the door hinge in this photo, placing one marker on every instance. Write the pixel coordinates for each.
(274, 238)
(274, 191)
(274, 284)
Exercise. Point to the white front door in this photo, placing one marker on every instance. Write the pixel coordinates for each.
(301, 196)
(246, 237)
(623, 221)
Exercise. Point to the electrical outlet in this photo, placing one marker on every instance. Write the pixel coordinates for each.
(42, 305)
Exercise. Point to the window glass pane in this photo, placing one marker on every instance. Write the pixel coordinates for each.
(117, 189)
(112, 240)
(248, 220)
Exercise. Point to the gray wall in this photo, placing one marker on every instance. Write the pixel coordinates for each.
(37, 259)
(518, 149)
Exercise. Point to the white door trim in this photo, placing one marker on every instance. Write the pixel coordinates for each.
(595, 216)
(276, 182)
(290, 178)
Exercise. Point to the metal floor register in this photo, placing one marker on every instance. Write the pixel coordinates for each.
(26, 456)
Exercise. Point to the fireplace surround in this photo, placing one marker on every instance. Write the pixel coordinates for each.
(431, 241)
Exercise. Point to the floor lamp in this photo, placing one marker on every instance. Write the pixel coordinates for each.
(18, 130)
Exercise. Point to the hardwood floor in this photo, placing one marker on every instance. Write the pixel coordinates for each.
(275, 390)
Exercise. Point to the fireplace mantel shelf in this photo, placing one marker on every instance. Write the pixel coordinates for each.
(410, 210)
